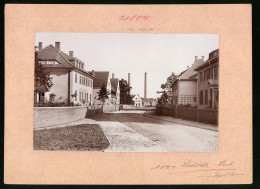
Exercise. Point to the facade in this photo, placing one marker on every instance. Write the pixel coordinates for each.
(101, 78)
(115, 90)
(184, 87)
(149, 102)
(137, 101)
(71, 83)
(208, 82)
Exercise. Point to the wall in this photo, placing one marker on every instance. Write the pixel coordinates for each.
(50, 116)
(188, 88)
(80, 88)
(203, 85)
(60, 84)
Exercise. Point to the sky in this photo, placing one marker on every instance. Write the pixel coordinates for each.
(121, 53)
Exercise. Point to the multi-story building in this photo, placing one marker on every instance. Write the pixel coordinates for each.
(208, 82)
(71, 83)
(184, 87)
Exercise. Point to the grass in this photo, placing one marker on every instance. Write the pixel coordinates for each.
(86, 137)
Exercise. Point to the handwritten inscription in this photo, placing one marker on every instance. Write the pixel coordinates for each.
(134, 18)
(225, 163)
(217, 175)
(192, 164)
(140, 29)
(163, 167)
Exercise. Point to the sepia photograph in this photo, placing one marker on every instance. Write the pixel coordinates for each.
(126, 92)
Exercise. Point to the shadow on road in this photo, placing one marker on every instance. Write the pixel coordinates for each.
(125, 116)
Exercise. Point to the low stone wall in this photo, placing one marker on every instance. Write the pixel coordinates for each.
(132, 107)
(95, 109)
(51, 116)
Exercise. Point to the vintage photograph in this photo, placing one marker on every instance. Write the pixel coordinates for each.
(126, 92)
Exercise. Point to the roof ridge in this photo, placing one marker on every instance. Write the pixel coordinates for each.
(69, 61)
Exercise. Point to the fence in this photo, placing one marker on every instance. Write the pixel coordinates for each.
(192, 114)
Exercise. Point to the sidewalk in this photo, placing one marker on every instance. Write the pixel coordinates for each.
(121, 137)
(151, 114)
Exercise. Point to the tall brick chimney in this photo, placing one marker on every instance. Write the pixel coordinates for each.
(129, 82)
(196, 58)
(40, 46)
(93, 73)
(113, 76)
(145, 86)
(202, 58)
(57, 45)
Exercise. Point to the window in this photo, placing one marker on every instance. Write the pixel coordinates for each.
(201, 97)
(76, 98)
(206, 97)
(201, 76)
(216, 72)
(211, 73)
(76, 77)
(87, 97)
(90, 98)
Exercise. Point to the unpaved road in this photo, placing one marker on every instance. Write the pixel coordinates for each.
(173, 137)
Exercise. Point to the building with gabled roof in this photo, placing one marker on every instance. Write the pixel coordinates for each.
(184, 87)
(71, 83)
(137, 100)
(101, 78)
(115, 90)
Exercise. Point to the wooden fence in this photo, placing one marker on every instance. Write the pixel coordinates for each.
(191, 114)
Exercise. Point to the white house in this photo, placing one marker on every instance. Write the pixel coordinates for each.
(101, 78)
(71, 83)
(137, 100)
(184, 87)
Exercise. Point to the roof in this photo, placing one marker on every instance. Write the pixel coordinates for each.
(191, 71)
(101, 78)
(114, 86)
(51, 53)
(213, 58)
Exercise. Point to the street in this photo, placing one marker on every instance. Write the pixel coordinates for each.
(173, 137)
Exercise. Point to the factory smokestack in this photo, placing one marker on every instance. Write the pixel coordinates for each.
(129, 82)
(145, 86)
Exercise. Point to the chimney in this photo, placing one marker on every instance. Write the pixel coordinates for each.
(188, 67)
(113, 75)
(145, 86)
(129, 82)
(202, 58)
(40, 46)
(93, 73)
(57, 45)
(196, 58)
(71, 54)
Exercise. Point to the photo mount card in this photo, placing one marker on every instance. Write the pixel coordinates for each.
(30, 159)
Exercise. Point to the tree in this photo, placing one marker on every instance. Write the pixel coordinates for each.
(103, 94)
(163, 99)
(42, 79)
(125, 97)
(166, 88)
